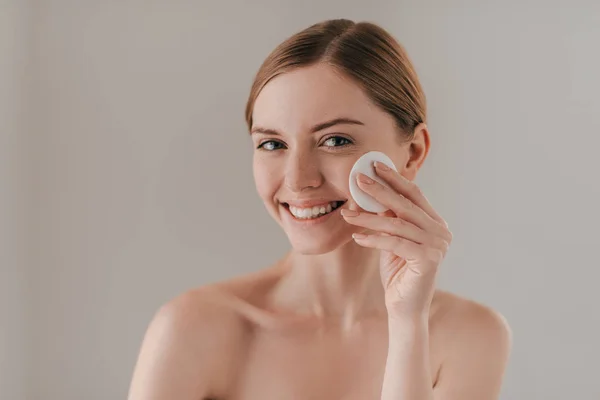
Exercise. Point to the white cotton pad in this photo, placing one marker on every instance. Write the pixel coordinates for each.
(365, 165)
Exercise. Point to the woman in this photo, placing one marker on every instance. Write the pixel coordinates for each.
(351, 312)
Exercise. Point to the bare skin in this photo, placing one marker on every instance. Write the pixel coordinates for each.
(244, 349)
(319, 324)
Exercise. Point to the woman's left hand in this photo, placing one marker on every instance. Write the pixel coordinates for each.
(412, 237)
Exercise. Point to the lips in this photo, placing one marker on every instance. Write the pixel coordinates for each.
(312, 210)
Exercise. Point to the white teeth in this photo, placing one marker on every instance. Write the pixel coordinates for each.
(313, 212)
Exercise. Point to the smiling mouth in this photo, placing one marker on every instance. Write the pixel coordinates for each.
(308, 213)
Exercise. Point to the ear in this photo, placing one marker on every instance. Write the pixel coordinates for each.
(418, 149)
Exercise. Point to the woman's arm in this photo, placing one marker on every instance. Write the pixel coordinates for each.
(475, 357)
(414, 239)
(407, 372)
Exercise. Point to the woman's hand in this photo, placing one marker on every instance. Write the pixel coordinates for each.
(412, 237)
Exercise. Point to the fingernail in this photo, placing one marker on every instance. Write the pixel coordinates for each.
(359, 235)
(349, 213)
(365, 179)
(381, 166)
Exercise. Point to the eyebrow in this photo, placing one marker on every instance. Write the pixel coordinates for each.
(314, 129)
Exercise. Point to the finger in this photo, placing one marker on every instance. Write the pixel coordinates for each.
(401, 247)
(352, 206)
(386, 213)
(409, 189)
(387, 224)
(399, 204)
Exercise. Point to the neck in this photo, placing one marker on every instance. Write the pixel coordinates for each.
(343, 286)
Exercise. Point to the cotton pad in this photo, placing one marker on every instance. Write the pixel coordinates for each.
(365, 165)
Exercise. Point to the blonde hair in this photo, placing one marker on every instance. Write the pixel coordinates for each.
(363, 51)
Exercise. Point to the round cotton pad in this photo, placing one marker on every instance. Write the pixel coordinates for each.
(365, 165)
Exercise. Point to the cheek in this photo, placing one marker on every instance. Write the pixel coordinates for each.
(264, 177)
(337, 173)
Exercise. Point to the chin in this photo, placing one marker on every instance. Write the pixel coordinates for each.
(317, 235)
(314, 246)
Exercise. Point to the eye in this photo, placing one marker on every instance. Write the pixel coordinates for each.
(270, 145)
(337, 141)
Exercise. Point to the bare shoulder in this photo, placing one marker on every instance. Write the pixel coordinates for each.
(460, 318)
(474, 341)
(457, 322)
(195, 340)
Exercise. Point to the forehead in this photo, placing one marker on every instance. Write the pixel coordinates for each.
(300, 98)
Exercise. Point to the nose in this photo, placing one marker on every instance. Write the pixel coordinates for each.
(302, 172)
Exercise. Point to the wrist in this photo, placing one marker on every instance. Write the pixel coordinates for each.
(404, 322)
(407, 332)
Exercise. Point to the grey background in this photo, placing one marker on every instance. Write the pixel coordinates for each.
(125, 173)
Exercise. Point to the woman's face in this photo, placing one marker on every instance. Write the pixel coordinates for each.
(301, 167)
